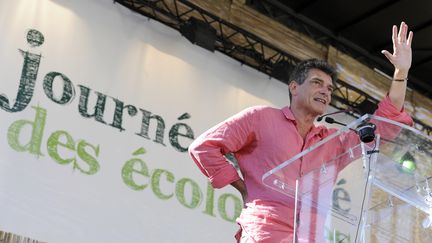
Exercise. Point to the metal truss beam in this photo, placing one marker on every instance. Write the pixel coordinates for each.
(243, 46)
(326, 36)
(233, 41)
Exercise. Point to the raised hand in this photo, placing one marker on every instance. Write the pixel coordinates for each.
(402, 55)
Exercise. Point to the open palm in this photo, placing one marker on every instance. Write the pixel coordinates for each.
(402, 54)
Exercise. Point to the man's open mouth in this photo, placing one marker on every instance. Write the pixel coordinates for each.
(321, 100)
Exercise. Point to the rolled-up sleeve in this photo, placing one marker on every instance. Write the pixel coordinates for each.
(387, 131)
(208, 150)
(388, 110)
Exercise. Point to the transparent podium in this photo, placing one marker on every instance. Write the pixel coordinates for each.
(346, 190)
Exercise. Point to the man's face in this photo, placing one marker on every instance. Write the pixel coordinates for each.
(314, 94)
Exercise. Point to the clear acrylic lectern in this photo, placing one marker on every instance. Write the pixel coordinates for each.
(345, 190)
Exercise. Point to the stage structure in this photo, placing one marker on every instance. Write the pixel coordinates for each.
(246, 47)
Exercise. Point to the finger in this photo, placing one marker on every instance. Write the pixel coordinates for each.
(388, 55)
(394, 34)
(400, 32)
(402, 35)
(404, 32)
(410, 37)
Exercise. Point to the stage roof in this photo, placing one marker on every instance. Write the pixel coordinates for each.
(362, 29)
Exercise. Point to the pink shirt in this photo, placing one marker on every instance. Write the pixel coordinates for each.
(261, 138)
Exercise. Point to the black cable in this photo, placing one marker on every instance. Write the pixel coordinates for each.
(364, 192)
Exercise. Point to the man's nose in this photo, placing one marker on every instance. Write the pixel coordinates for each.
(325, 92)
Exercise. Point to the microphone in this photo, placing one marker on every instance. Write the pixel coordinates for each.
(331, 121)
(333, 113)
(366, 131)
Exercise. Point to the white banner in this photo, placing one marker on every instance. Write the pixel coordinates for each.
(97, 108)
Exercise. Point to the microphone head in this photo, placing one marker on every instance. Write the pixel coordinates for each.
(329, 120)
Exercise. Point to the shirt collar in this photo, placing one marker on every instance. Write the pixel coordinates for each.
(316, 130)
(288, 113)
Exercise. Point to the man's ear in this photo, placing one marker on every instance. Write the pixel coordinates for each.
(292, 86)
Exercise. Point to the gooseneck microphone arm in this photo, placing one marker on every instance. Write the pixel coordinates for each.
(365, 131)
(331, 121)
(333, 113)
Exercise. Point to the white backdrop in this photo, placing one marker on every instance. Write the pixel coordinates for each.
(52, 190)
(68, 178)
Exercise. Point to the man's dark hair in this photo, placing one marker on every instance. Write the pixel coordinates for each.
(301, 71)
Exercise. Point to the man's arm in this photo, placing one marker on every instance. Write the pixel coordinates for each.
(401, 60)
(208, 150)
